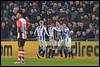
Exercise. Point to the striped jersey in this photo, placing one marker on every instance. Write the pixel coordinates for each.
(41, 31)
(53, 32)
(66, 33)
(22, 26)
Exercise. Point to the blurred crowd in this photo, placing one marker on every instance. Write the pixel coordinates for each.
(82, 16)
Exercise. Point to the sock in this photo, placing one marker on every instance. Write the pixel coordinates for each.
(59, 51)
(44, 51)
(52, 54)
(61, 54)
(22, 55)
(19, 56)
(65, 52)
(41, 51)
(70, 53)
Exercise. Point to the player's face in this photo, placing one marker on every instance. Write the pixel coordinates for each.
(51, 25)
(57, 24)
(41, 23)
(18, 15)
(64, 25)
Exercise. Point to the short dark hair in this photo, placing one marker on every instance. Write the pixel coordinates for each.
(20, 12)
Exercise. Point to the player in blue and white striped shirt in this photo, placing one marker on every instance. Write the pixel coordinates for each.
(66, 36)
(52, 38)
(41, 31)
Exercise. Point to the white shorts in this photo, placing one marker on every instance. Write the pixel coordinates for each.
(42, 42)
(67, 42)
(52, 43)
(60, 43)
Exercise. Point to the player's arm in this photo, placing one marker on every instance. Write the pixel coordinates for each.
(46, 31)
(71, 32)
(59, 30)
(19, 25)
(27, 22)
(35, 31)
(27, 25)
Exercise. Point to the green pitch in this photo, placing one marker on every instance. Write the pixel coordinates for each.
(51, 62)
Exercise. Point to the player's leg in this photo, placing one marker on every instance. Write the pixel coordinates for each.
(59, 48)
(19, 55)
(53, 48)
(66, 48)
(20, 51)
(69, 48)
(50, 50)
(69, 52)
(44, 48)
(40, 53)
(40, 45)
(40, 40)
(53, 51)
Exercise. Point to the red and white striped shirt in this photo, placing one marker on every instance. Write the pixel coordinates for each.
(22, 25)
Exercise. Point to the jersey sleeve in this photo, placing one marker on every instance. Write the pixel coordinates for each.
(59, 30)
(35, 30)
(27, 25)
(19, 25)
(45, 30)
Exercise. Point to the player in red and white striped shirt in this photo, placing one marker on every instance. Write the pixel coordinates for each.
(22, 26)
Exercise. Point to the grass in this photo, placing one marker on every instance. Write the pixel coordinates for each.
(51, 62)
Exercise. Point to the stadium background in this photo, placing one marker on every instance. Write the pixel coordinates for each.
(81, 16)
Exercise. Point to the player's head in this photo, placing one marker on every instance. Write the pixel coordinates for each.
(64, 25)
(57, 23)
(19, 14)
(52, 24)
(41, 22)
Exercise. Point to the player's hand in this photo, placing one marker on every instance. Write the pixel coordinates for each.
(71, 32)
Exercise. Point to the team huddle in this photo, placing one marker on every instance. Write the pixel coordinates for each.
(59, 35)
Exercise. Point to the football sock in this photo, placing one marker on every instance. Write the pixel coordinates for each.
(59, 51)
(19, 56)
(52, 54)
(22, 55)
(65, 52)
(44, 51)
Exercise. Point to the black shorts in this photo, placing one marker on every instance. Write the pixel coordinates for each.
(21, 42)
